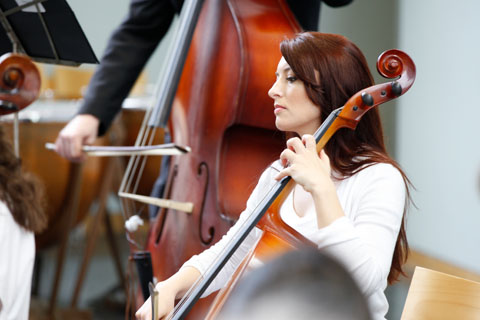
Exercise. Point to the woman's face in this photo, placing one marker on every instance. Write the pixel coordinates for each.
(294, 111)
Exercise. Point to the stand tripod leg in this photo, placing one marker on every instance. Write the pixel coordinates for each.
(37, 271)
(92, 232)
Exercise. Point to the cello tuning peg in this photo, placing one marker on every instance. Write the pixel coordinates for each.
(367, 99)
(396, 89)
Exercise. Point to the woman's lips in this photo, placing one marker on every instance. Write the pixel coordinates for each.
(278, 108)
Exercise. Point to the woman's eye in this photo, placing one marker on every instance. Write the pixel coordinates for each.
(291, 79)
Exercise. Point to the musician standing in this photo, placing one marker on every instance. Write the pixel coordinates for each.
(129, 48)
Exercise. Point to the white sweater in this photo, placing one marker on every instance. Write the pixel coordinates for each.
(17, 253)
(363, 241)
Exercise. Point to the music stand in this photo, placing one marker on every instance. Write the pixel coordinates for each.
(45, 30)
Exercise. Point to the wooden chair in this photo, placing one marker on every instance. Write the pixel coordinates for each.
(436, 295)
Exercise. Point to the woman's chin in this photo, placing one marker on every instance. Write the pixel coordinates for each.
(282, 126)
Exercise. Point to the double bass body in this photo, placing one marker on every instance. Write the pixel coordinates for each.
(222, 111)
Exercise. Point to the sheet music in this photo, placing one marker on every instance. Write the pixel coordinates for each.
(32, 8)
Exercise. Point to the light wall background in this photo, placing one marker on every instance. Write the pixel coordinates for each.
(438, 127)
(434, 128)
(432, 131)
(436, 122)
(99, 19)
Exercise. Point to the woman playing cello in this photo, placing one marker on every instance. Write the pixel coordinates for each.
(349, 199)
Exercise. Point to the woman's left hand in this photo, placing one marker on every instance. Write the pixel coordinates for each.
(312, 171)
(305, 165)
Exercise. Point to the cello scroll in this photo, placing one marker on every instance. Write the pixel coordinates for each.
(19, 82)
(392, 64)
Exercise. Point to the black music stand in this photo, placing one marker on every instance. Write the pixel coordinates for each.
(45, 30)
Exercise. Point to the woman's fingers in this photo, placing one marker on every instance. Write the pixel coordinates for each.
(295, 144)
(309, 142)
(286, 157)
(282, 174)
(144, 312)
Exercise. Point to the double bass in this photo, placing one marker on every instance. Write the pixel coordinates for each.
(221, 111)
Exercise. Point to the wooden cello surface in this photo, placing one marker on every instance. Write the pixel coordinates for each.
(222, 111)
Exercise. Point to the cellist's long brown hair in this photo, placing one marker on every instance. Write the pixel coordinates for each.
(333, 69)
(22, 192)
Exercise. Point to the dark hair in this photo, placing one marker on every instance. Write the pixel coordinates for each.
(21, 191)
(333, 69)
(301, 284)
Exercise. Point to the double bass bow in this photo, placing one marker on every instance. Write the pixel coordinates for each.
(277, 236)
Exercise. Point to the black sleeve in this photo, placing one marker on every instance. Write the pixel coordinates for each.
(127, 52)
(307, 12)
(337, 3)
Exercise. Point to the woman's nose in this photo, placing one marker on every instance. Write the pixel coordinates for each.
(274, 91)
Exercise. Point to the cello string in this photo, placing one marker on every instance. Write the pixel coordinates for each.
(182, 301)
(224, 249)
(222, 252)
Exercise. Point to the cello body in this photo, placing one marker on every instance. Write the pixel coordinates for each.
(222, 111)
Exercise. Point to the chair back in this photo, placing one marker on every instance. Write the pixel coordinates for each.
(436, 295)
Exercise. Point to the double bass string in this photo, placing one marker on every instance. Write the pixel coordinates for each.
(133, 166)
(137, 164)
(164, 91)
(134, 170)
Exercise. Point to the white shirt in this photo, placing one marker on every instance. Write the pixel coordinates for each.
(17, 253)
(363, 241)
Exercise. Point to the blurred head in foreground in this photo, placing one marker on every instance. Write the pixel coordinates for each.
(302, 284)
